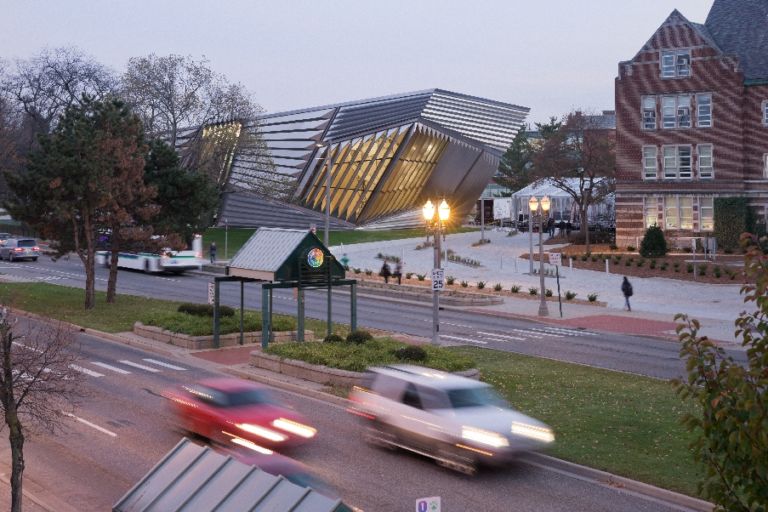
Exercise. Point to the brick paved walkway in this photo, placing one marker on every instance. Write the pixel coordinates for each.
(623, 324)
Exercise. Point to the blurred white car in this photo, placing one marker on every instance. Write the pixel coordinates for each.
(457, 421)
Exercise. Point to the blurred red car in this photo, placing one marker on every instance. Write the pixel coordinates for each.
(220, 409)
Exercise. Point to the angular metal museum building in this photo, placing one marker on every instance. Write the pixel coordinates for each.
(387, 156)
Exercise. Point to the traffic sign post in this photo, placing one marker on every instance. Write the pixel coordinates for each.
(555, 258)
(438, 279)
(211, 293)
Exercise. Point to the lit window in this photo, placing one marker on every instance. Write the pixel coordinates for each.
(675, 63)
(704, 110)
(686, 212)
(650, 164)
(706, 214)
(668, 112)
(651, 211)
(765, 165)
(649, 113)
(671, 216)
(704, 160)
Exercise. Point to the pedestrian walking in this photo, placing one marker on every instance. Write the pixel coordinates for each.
(398, 271)
(212, 252)
(551, 227)
(385, 271)
(626, 289)
(345, 261)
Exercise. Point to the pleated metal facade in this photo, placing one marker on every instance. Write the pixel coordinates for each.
(388, 154)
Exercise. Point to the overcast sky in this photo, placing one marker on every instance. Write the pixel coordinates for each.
(549, 55)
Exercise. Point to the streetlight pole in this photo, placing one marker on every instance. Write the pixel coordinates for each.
(541, 208)
(436, 224)
(326, 234)
(530, 233)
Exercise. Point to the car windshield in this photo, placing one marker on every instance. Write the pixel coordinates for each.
(26, 243)
(475, 396)
(245, 397)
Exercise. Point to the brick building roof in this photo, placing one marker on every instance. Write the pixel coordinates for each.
(740, 27)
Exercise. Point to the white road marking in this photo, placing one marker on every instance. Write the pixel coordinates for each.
(528, 333)
(110, 367)
(470, 340)
(506, 336)
(92, 425)
(458, 325)
(86, 371)
(166, 365)
(28, 348)
(140, 366)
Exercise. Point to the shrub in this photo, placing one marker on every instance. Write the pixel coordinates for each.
(631, 248)
(732, 217)
(480, 285)
(689, 268)
(411, 353)
(548, 293)
(594, 257)
(408, 275)
(204, 309)
(368, 272)
(664, 265)
(359, 337)
(569, 295)
(628, 262)
(533, 291)
(584, 257)
(592, 297)
(514, 288)
(356, 270)
(653, 245)
(717, 272)
(703, 270)
(497, 287)
(618, 257)
(421, 277)
(677, 266)
(652, 264)
(613, 247)
(333, 338)
(640, 262)
(450, 280)
(464, 284)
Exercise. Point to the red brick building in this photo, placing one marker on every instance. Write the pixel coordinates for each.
(692, 122)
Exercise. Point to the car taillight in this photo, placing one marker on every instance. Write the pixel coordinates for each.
(18, 249)
(35, 248)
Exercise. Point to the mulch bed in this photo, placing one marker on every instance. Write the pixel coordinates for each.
(726, 263)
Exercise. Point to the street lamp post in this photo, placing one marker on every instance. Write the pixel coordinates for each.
(542, 208)
(436, 225)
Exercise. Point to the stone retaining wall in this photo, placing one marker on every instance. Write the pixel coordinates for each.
(204, 342)
(319, 373)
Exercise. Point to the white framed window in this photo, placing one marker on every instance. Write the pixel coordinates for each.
(671, 213)
(764, 110)
(677, 162)
(650, 162)
(675, 63)
(684, 111)
(686, 212)
(649, 112)
(704, 161)
(765, 165)
(706, 213)
(704, 110)
(668, 106)
(651, 211)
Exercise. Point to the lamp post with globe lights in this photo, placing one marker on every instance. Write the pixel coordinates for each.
(435, 223)
(542, 209)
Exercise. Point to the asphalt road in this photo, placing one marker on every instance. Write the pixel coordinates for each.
(123, 427)
(640, 355)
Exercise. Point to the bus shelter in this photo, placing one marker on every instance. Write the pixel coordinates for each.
(285, 258)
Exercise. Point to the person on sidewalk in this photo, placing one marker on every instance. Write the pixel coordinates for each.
(398, 271)
(626, 289)
(385, 271)
(212, 252)
(551, 227)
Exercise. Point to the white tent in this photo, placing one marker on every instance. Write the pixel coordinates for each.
(563, 206)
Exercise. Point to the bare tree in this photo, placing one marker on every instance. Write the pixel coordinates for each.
(38, 385)
(42, 87)
(579, 159)
(174, 93)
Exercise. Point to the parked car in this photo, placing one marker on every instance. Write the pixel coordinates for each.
(221, 409)
(20, 249)
(459, 422)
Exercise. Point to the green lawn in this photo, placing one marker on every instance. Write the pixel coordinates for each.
(236, 237)
(617, 422)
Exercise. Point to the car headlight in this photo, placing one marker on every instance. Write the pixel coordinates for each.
(294, 428)
(484, 437)
(262, 432)
(540, 433)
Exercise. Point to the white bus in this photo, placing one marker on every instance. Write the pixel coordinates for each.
(165, 261)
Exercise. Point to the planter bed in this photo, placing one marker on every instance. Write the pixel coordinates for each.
(206, 342)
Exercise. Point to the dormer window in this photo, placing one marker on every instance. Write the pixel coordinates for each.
(675, 63)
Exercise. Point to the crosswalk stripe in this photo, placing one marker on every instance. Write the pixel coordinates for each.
(110, 367)
(505, 336)
(86, 371)
(166, 365)
(528, 333)
(140, 366)
(464, 339)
